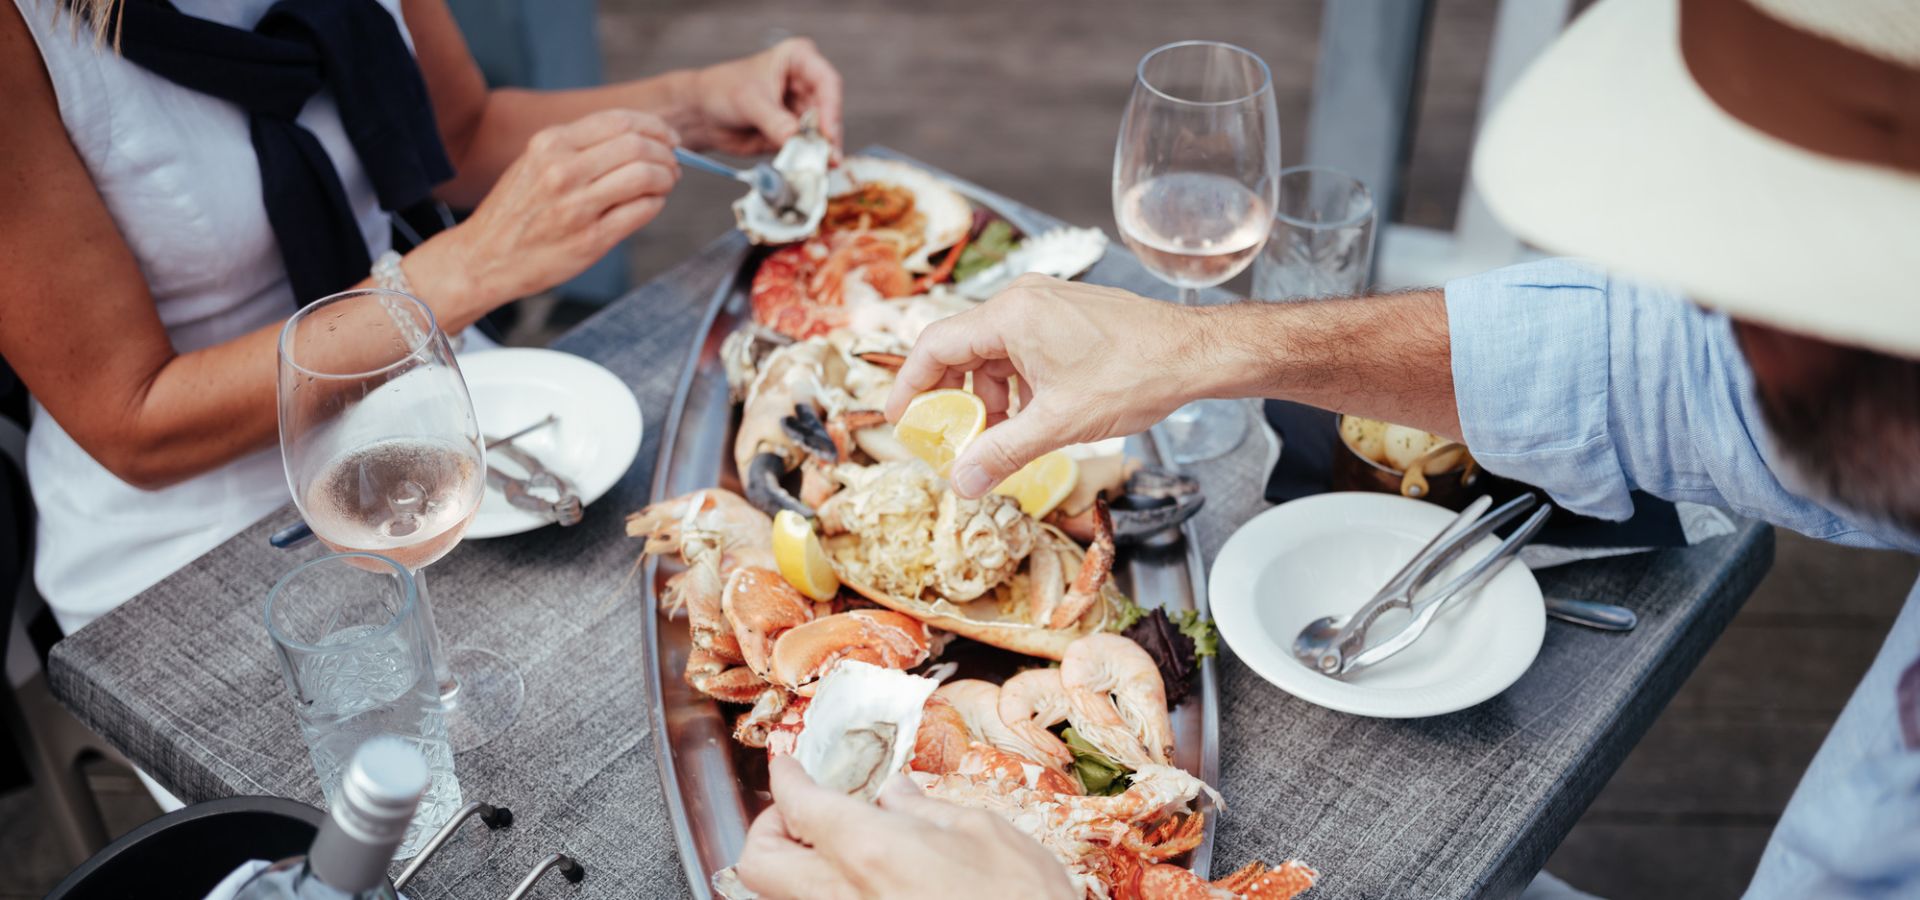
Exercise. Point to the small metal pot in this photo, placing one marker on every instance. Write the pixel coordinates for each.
(1445, 474)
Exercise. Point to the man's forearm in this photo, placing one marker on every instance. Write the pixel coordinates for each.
(1386, 357)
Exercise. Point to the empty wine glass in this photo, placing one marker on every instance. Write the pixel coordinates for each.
(1194, 185)
(383, 455)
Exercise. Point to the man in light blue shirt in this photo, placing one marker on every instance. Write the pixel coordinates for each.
(1664, 137)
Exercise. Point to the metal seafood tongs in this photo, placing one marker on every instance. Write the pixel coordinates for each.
(1337, 645)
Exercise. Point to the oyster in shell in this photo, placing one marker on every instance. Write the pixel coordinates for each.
(860, 727)
(1061, 253)
(802, 160)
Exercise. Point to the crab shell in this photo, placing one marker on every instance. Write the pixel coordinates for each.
(948, 216)
(1020, 637)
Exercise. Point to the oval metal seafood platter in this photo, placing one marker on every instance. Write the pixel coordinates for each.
(714, 786)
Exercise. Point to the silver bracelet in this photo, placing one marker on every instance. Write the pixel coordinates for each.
(388, 274)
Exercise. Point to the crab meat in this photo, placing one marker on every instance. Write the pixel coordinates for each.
(914, 535)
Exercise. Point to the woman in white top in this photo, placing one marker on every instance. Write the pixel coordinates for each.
(144, 288)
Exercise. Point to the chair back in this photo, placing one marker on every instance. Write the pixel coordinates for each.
(183, 854)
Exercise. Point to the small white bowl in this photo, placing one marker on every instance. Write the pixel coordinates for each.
(1329, 554)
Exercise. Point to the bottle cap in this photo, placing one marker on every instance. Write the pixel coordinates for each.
(381, 789)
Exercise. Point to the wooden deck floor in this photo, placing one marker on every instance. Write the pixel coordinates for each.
(1024, 97)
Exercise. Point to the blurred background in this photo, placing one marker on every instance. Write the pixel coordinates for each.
(1024, 98)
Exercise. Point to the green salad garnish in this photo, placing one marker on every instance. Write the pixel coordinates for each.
(1206, 641)
(1099, 776)
(993, 245)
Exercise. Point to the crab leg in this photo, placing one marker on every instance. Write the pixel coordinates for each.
(710, 674)
(1093, 572)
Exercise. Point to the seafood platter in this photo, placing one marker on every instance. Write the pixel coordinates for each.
(814, 588)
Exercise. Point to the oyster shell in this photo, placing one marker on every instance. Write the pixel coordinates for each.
(802, 160)
(1061, 253)
(860, 727)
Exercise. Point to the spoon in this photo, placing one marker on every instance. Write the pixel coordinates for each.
(1593, 614)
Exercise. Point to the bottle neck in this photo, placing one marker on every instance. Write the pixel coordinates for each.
(349, 863)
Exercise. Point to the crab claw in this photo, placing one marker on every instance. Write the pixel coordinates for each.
(763, 486)
(805, 428)
(1155, 501)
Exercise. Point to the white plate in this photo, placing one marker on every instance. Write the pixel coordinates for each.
(592, 444)
(1329, 554)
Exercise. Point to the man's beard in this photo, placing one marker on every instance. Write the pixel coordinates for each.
(1851, 439)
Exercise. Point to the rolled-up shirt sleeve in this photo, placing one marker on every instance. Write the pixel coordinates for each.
(1589, 386)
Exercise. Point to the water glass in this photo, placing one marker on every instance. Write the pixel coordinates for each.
(1322, 239)
(354, 649)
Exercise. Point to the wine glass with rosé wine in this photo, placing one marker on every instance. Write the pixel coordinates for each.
(383, 455)
(1195, 180)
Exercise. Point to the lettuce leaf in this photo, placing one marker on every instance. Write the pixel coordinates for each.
(1206, 641)
(996, 240)
(1100, 776)
(1125, 613)
(1173, 651)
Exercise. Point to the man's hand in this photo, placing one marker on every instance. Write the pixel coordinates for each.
(1090, 363)
(817, 844)
(751, 106)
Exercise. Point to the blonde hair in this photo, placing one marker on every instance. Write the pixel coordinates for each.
(97, 16)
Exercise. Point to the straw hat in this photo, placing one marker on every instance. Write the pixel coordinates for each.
(1761, 155)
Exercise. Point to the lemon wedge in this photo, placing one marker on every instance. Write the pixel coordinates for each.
(803, 563)
(1041, 485)
(939, 424)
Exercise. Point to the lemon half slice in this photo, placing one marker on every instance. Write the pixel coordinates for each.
(939, 424)
(1041, 485)
(803, 563)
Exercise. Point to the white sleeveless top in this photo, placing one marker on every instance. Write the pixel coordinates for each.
(178, 173)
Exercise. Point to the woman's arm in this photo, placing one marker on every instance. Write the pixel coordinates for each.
(79, 325)
(746, 106)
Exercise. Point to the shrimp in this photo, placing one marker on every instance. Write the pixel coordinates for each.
(979, 705)
(1032, 702)
(993, 764)
(1116, 700)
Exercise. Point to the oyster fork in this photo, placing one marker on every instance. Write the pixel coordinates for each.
(763, 178)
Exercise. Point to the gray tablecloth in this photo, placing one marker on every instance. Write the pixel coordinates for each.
(183, 681)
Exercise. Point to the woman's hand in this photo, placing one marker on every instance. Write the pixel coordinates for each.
(1091, 363)
(818, 844)
(577, 190)
(750, 106)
